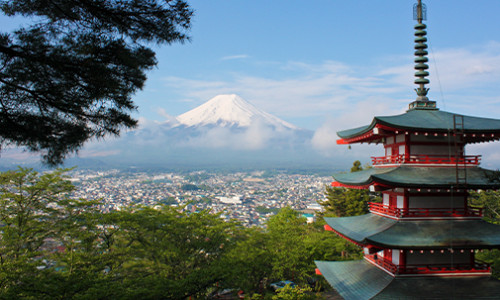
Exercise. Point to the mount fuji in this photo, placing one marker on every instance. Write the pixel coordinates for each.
(226, 131)
(230, 111)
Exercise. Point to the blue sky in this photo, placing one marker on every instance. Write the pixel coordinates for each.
(328, 65)
(311, 62)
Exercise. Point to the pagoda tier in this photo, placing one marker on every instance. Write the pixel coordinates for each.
(431, 123)
(416, 177)
(364, 280)
(381, 232)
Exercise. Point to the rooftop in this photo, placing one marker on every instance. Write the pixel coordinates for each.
(362, 280)
(371, 229)
(422, 121)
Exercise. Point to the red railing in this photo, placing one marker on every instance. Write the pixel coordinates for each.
(476, 267)
(426, 159)
(425, 212)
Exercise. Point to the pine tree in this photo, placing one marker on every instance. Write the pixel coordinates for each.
(70, 75)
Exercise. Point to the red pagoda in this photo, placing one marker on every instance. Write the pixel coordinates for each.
(421, 241)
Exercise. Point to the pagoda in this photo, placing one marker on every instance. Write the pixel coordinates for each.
(420, 242)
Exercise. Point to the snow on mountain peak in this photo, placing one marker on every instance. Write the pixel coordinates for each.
(229, 110)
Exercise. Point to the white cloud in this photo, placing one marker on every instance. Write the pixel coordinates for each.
(93, 153)
(360, 114)
(490, 156)
(232, 57)
(255, 137)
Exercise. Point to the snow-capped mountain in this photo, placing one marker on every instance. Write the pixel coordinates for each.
(230, 111)
(226, 130)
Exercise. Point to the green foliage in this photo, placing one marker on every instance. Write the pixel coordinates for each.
(489, 201)
(286, 232)
(197, 177)
(168, 201)
(491, 257)
(356, 166)
(55, 247)
(189, 187)
(342, 202)
(285, 251)
(36, 216)
(266, 210)
(250, 261)
(70, 75)
(175, 254)
(295, 293)
(325, 245)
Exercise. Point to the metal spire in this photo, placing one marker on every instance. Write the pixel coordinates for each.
(420, 14)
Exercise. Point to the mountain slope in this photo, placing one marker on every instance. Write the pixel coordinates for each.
(230, 111)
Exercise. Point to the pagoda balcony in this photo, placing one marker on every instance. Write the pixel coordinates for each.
(381, 209)
(423, 159)
(478, 267)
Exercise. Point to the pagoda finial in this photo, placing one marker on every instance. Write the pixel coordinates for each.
(420, 14)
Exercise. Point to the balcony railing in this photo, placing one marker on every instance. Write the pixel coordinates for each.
(476, 267)
(425, 212)
(426, 159)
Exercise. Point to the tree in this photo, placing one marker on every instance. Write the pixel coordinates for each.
(342, 202)
(323, 245)
(70, 76)
(286, 232)
(44, 230)
(169, 254)
(356, 166)
(295, 293)
(250, 261)
(489, 201)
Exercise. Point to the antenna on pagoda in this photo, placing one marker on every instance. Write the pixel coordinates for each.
(420, 14)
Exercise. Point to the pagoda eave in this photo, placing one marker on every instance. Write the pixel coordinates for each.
(383, 232)
(423, 122)
(417, 177)
(361, 279)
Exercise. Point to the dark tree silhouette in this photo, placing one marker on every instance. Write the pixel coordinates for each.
(70, 75)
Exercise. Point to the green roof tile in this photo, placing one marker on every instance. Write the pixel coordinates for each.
(415, 234)
(472, 287)
(358, 228)
(430, 120)
(361, 280)
(418, 177)
(355, 280)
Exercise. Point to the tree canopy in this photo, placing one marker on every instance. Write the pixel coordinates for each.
(342, 202)
(70, 75)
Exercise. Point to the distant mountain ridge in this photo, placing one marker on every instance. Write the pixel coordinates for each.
(230, 111)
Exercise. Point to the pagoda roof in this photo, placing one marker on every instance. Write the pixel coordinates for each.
(417, 177)
(476, 129)
(362, 280)
(371, 229)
